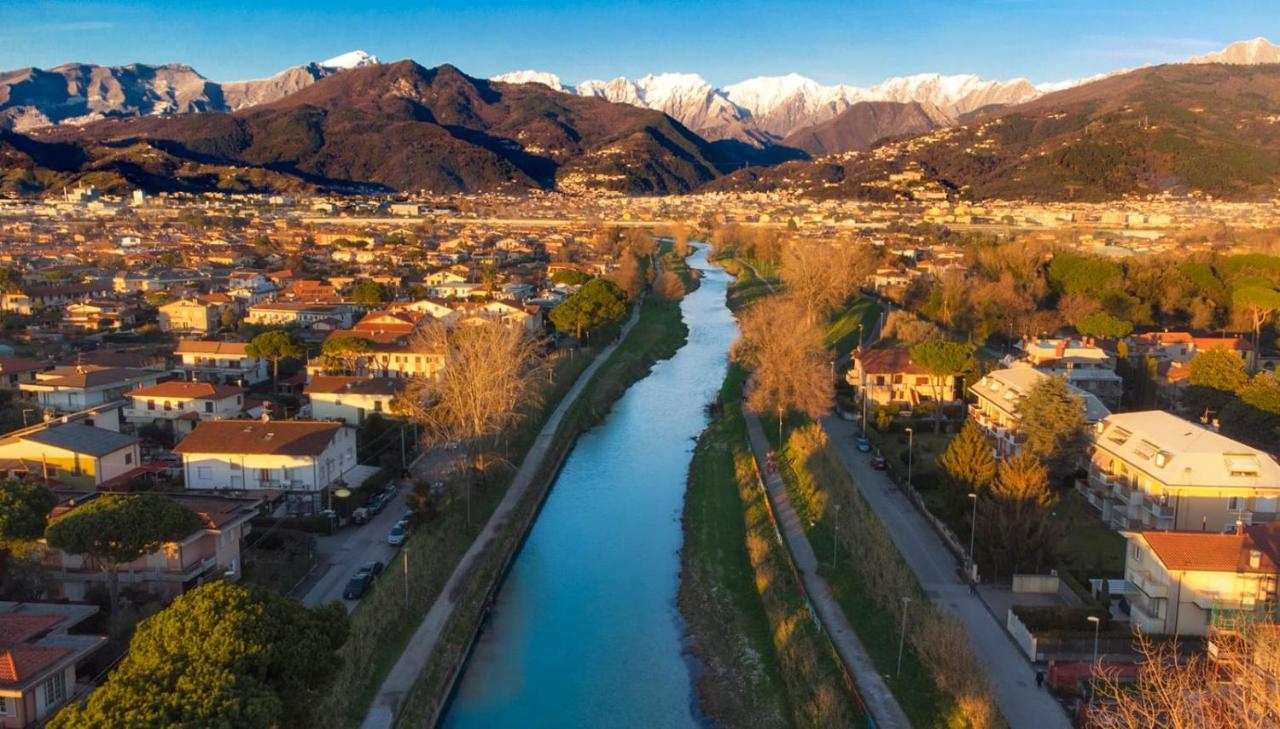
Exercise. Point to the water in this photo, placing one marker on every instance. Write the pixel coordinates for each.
(585, 632)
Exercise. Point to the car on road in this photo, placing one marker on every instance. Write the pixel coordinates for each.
(360, 516)
(376, 504)
(373, 569)
(389, 492)
(398, 535)
(358, 585)
(878, 463)
(864, 445)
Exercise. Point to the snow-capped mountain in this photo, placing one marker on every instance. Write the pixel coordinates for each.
(531, 77)
(1243, 53)
(351, 59)
(685, 97)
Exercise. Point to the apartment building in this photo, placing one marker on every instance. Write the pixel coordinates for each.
(1181, 580)
(1154, 470)
(190, 315)
(352, 399)
(179, 406)
(226, 362)
(72, 389)
(996, 405)
(1083, 362)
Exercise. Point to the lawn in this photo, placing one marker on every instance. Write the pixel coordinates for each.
(1092, 549)
(843, 333)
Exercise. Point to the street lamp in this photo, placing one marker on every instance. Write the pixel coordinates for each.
(405, 554)
(859, 337)
(910, 457)
(902, 637)
(835, 539)
(1097, 623)
(973, 528)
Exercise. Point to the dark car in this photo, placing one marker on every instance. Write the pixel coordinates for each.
(878, 463)
(357, 586)
(376, 504)
(372, 569)
(864, 445)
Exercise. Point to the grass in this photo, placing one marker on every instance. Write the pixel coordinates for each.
(1092, 548)
(658, 334)
(279, 561)
(748, 287)
(741, 683)
(925, 704)
(843, 333)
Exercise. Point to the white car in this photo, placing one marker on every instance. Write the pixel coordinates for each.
(397, 535)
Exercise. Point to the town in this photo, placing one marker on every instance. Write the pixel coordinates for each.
(258, 389)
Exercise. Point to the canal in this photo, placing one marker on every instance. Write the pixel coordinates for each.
(585, 630)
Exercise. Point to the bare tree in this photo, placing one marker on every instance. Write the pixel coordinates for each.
(1234, 691)
(821, 276)
(629, 276)
(792, 365)
(487, 381)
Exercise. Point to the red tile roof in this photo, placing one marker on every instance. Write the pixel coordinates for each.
(193, 390)
(1207, 552)
(20, 663)
(274, 437)
(894, 360)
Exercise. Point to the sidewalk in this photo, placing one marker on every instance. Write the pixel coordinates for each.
(417, 652)
(879, 700)
(1012, 676)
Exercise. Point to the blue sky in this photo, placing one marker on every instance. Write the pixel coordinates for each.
(857, 41)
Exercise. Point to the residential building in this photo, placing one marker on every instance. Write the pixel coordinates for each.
(15, 370)
(72, 389)
(40, 659)
(352, 399)
(1181, 579)
(395, 350)
(889, 376)
(210, 552)
(178, 405)
(998, 395)
(190, 315)
(300, 458)
(72, 453)
(1083, 362)
(1154, 470)
(1181, 347)
(42, 296)
(225, 362)
(304, 315)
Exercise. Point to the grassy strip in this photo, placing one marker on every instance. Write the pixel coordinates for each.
(942, 684)
(747, 615)
(747, 287)
(843, 334)
(741, 682)
(658, 334)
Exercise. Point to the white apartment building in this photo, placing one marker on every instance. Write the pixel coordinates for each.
(997, 397)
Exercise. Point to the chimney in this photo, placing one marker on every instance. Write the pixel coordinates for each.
(1060, 349)
(1239, 528)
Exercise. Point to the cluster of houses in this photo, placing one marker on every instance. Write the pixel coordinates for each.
(1199, 510)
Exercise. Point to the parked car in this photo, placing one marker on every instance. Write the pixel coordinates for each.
(358, 585)
(376, 504)
(864, 445)
(397, 535)
(373, 569)
(878, 463)
(360, 516)
(389, 492)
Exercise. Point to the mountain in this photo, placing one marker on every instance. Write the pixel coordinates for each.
(862, 125)
(79, 93)
(685, 97)
(396, 126)
(550, 80)
(1243, 53)
(1180, 128)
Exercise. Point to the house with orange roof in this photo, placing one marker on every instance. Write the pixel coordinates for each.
(179, 406)
(40, 658)
(889, 376)
(1179, 580)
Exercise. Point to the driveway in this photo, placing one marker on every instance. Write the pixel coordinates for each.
(339, 556)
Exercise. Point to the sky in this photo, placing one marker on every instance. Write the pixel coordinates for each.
(857, 41)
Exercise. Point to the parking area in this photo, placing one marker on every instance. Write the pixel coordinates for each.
(340, 555)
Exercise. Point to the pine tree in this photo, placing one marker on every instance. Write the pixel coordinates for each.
(1015, 529)
(967, 464)
(1053, 420)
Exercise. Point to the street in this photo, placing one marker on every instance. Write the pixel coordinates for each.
(1012, 676)
(340, 555)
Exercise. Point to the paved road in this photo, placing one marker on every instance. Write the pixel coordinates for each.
(404, 674)
(875, 692)
(1022, 704)
(340, 555)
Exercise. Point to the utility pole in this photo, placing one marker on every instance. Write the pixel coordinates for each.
(973, 528)
(902, 637)
(835, 539)
(405, 554)
(910, 457)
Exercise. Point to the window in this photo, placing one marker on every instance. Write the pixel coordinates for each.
(1233, 503)
(168, 405)
(55, 689)
(128, 458)
(377, 406)
(208, 406)
(204, 473)
(151, 404)
(4, 706)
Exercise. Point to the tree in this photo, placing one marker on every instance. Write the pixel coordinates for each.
(570, 277)
(1014, 527)
(222, 655)
(113, 530)
(967, 464)
(821, 276)
(942, 359)
(274, 345)
(1218, 368)
(597, 304)
(629, 277)
(371, 293)
(1258, 303)
(345, 350)
(486, 384)
(1102, 324)
(669, 287)
(1053, 420)
(792, 367)
(24, 510)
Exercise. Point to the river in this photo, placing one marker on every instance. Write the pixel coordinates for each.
(585, 630)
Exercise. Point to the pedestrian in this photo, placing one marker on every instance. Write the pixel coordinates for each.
(1039, 678)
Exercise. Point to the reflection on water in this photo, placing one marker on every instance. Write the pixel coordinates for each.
(585, 632)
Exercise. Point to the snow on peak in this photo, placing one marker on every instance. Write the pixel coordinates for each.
(1244, 53)
(351, 59)
(531, 77)
(762, 94)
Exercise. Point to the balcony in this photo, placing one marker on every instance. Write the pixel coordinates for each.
(1146, 582)
(1159, 510)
